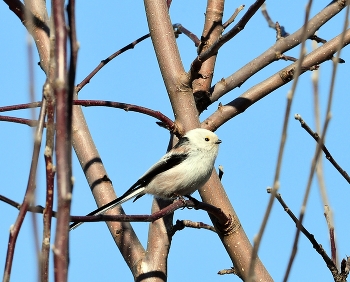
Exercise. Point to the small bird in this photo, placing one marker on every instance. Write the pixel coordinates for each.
(180, 172)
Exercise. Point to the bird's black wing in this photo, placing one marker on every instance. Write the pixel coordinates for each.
(168, 161)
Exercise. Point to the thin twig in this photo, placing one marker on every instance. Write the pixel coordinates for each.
(328, 155)
(28, 197)
(282, 32)
(74, 46)
(20, 107)
(233, 17)
(239, 77)
(319, 167)
(318, 247)
(221, 171)
(104, 62)
(29, 122)
(298, 71)
(286, 58)
(318, 147)
(266, 87)
(222, 218)
(168, 123)
(276, 183)
(181, 224)
(317, 39)
(213, 49)
(64, 97)
(329, 220)
(31, 71)
(47, 216)
(231, 270)
(33, 209)
(224, 222)
(179, 28)
(165, 121)
(50, 169)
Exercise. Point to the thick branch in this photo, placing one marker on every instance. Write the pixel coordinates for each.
(259, 91)
(174, 75)
(187, 116)
(212, 30)
(281, 46)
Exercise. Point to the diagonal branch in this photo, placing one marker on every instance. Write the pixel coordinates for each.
(281, 46)
(328, 155)
(318, 247)
(259, 91)
(104, 62)
(213, 49)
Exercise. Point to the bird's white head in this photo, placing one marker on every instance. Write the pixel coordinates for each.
(203, 139)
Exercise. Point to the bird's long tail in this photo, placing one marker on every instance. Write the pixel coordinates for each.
(131, 193)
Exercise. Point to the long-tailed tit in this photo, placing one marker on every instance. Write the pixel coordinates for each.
(180, 172)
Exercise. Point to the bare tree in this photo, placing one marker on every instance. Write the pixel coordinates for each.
(191, 90)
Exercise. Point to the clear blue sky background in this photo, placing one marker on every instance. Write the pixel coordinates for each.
(129, 143)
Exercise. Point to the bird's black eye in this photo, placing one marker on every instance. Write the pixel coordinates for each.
(206, 139)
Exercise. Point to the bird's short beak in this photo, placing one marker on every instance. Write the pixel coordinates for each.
(218, 142)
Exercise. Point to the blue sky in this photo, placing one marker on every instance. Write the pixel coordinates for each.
(129, 143)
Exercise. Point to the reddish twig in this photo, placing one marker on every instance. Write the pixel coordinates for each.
(20, 107)
(33, 209)
(73, 47)
(63, 143)
(169, 124)
(224, 222)
(222, 218)
(328, 216)
(165, 121)
(178, 29)
(29, 122)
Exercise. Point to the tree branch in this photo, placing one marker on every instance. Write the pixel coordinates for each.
(259, 91)
(281, 46)
(328, 155)
(63, 143)
(318, 247)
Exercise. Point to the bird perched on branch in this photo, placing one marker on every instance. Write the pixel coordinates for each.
(180, 172)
